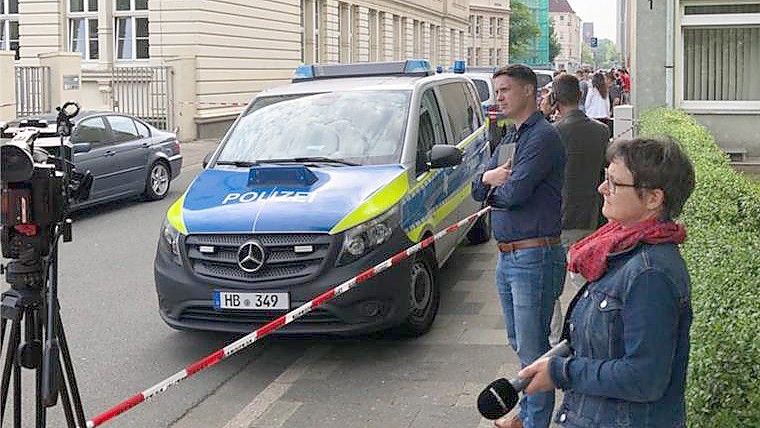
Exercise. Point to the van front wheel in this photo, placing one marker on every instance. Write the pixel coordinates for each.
(424, 296)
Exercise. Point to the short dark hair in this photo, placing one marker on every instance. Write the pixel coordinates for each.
(657, 163)
(520, 72)
(567, 90)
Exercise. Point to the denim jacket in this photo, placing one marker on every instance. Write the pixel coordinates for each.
(630, 334)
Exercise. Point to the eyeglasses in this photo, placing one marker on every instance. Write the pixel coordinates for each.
(613, 185)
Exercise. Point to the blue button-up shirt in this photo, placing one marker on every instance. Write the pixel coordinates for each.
(529, 204)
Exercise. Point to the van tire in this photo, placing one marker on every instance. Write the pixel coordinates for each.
(481, 230)
(424, 295)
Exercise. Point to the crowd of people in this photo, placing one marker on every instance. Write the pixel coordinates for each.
(628, 324)
(601, 92)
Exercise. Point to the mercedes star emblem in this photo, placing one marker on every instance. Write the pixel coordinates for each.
(251, 256)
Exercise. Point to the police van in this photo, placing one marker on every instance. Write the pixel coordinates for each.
(317, 181)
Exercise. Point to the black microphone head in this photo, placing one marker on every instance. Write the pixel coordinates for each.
(497, 399)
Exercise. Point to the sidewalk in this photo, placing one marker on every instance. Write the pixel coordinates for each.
(431, 381)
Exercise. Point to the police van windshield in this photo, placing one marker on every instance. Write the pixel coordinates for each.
(360, 127)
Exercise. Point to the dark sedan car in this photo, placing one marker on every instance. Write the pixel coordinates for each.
(126, 156)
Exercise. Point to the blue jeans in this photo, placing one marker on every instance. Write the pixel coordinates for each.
(528, 282)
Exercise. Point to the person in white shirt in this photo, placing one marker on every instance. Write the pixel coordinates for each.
(597, 103)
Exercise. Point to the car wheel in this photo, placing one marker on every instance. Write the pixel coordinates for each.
(157, 183)
(481, 230)
(424, 296)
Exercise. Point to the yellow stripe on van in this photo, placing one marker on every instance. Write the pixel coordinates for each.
(466, 142)
(174, 215)
(440, 214)
(378, 203)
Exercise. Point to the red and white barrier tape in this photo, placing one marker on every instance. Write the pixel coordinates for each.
(271, 326)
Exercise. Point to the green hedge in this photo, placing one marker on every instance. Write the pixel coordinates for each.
(722, 252)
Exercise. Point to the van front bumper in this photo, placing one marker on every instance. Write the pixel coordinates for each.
(186, 298)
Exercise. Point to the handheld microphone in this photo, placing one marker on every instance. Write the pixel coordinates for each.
(501, 395)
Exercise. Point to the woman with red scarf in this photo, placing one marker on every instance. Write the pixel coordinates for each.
(629, 324)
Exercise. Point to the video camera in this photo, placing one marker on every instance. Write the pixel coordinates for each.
(38, 184)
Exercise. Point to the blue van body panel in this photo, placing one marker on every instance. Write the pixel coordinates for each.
(222, 200)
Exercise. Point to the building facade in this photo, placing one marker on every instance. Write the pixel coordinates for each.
(567, 26)
(237, 47)
(537, 53)
(488, 33)
(702, 57)
(588, 32)
(622, 30)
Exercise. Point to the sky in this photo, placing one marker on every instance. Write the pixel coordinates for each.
(601, 12)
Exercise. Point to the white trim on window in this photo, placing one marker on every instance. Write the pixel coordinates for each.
(5, 27)
(85, 16)
(708, 21)
(720, 20)
(133, 15)
(718, 107)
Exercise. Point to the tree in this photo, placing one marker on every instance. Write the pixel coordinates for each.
(554, 46)
(587, 56)
(606, 54)
(523, 30)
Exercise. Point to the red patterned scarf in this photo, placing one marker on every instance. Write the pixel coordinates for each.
(589, 255)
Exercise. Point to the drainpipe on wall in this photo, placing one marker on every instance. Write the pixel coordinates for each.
(669, 51)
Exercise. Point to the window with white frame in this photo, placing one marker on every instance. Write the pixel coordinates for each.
(131, 29)
(83, 28)
(500, 27)
(491, 26)
(9, 26)
(720, 55)
(312, 25)
(478, 24)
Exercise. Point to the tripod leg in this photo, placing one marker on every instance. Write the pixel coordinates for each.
(66, 402)
(9, 365)
(34, 316)
(16, 387)
(68, 366)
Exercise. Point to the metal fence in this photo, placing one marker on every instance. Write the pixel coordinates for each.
(32, 90)
(146, 92)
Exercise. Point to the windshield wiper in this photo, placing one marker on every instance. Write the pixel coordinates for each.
(325, 160)
(247, 164)
(241, 164)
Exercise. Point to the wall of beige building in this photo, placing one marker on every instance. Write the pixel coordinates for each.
(242, 47)
(567, 26)
(488, 33)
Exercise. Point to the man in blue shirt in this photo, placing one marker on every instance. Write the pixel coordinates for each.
(526, 196)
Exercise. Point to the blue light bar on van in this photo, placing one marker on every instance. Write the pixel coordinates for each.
(411, 67)
(459, 66)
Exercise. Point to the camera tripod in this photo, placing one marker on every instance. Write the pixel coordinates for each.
(31, 308)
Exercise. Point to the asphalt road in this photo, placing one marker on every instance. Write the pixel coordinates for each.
(120, 346)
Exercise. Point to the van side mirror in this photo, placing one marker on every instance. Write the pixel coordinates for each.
(207, 158)
(444, 155)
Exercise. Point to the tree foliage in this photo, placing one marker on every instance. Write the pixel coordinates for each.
(587, 56)
(606, 54)
(554, 45)
(523, 29)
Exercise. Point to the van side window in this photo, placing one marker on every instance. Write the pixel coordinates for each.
(461, 111)
(430, 131)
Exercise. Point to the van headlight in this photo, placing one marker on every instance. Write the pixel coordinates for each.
(170, 236)
(365, 237)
